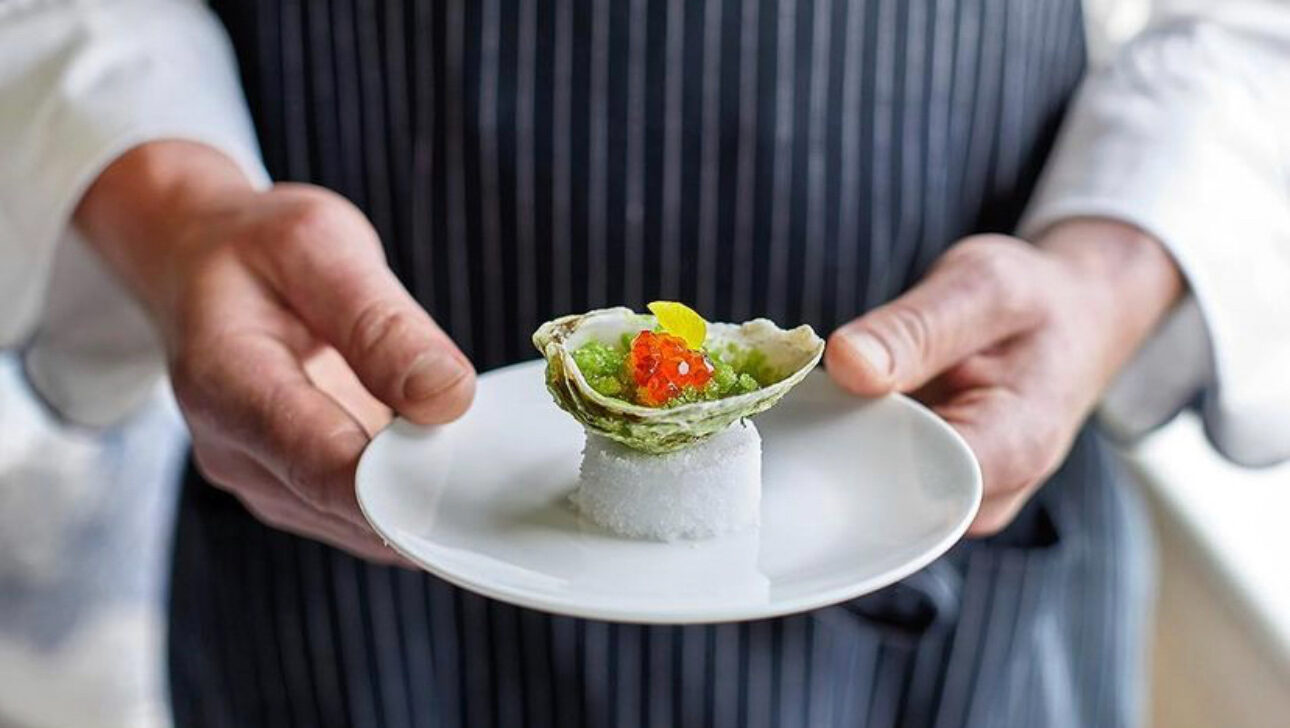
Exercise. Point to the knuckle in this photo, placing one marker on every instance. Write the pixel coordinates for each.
(1048, 458)
(990, 524)
(307, 221)
(214, 468)
(1007, 470)
(376, 326)
(305, 478)
(995, 268)
(983, 527)
(192, 379)
(988, 245)
(996, 271)
(315, 216)
(913, 329)
(314, 484)
(315, 463)
(277, 418)
(269, 511)
(1037, 455)
(992, 266)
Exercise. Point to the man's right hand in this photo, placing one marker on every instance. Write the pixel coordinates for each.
(289, 340)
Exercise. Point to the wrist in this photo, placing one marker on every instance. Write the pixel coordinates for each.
(141, 210)
(1125, 278)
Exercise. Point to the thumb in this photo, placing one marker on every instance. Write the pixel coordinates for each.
(978, 295)
(335, 278)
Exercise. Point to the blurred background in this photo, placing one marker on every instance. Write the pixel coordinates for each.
(85, 528)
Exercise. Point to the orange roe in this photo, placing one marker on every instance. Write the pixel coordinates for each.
(663, 366)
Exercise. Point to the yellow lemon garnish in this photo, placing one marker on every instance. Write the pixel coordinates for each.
(680, 320)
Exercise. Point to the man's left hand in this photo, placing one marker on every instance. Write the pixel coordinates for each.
(1013, 344)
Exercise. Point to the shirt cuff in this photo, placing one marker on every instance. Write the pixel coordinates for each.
(1178, 137)
(85, 83)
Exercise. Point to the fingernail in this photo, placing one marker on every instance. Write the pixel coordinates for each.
(870, 349)
(432, 374)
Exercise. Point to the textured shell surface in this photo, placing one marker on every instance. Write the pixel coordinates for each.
(790, 353)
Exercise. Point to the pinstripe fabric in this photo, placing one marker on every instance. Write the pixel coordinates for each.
(798, 158)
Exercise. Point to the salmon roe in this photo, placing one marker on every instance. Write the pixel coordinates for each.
(663, 366)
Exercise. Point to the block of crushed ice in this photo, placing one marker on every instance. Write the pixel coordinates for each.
(705, 490)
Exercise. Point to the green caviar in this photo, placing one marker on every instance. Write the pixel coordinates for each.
(726, 382)
(604, 367)
(735, 371)
(750, 362)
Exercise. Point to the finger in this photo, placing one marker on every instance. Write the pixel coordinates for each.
(330, 373)
(997, 426)
(995, 514)
(1006, 474)
(282, 511)
(977, 296)
(978, 371)
(273, 504)
(251, 393)
(1015, 445)
(330, 269)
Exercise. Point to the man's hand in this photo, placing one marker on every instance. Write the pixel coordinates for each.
(1013, 344)
(289, 340)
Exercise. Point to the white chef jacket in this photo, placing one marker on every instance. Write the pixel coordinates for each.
(1186, 134)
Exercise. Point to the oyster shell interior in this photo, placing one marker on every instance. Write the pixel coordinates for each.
(786, 357)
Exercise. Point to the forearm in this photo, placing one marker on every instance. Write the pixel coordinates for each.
(135, 213)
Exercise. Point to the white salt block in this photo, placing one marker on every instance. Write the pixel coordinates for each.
(704, 490)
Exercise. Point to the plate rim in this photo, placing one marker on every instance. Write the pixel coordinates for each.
(766, 610)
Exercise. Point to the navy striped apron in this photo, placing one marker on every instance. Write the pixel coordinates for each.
(800, 159)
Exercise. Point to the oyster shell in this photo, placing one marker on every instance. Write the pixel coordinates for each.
(789, 354)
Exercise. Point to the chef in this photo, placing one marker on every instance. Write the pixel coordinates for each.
(317, 215)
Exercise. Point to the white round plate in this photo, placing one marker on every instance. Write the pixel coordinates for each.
(856, 495)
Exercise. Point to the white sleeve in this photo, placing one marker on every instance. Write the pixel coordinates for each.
(1187, 136)
(81, 82)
